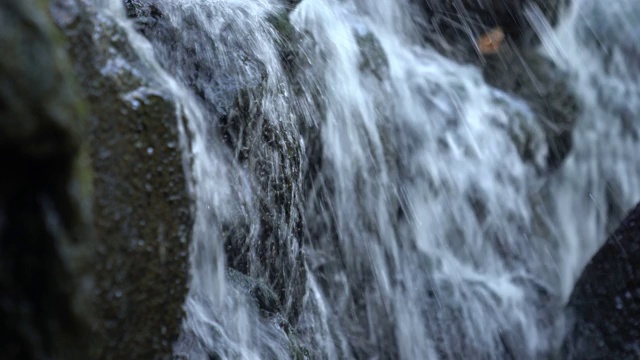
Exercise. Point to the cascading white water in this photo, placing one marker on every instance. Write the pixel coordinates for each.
(595, 42)
(429, 235)
(445, 281)
(220, 321)
(429, 141)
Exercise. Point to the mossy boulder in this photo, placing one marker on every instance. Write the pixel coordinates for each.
(46, 243)
(142, 210)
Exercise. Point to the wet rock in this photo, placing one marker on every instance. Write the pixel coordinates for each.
(517, 67)
(545, 89)
(263, 310)
(374, 60)
(142, 213)
(605, 303)
(291, 4)
(272, 251)
(45, 186)
(230, 81)
(265, 299)
(286, 40)
(453, 26)
(466, 17)
(185, 47)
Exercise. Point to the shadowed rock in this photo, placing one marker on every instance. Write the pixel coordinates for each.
(45, 242)
(465, 20)
(546, 89)
(605, 302)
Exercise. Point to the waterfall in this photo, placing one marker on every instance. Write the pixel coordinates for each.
(411, 159)
(399, 204)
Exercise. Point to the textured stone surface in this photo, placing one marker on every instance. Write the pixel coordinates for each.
(545, 88)
(605, 302)
(142, 213)
(230, 81)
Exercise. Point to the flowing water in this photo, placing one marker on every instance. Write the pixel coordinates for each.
(426, 233)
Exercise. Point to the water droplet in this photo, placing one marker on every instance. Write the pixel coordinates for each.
(172, 144)
(118, 294)
(148, 187)
(150, 151)
(619, 305)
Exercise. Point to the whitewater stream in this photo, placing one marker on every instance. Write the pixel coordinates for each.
(395, 179)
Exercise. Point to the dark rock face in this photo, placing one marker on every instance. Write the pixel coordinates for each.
(228, 78)
(453, 26)
(270, 251)
(605, 302)
(45, 242)
(462, 18)
(537, 80)
(142, 213)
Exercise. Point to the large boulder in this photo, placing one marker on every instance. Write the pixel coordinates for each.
(45, 241)
(142, 210)
(605, 303)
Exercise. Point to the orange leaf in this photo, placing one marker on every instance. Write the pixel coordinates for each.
(489, 43)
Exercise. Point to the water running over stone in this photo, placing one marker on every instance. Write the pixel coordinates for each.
(449, 236)
(424, 192)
